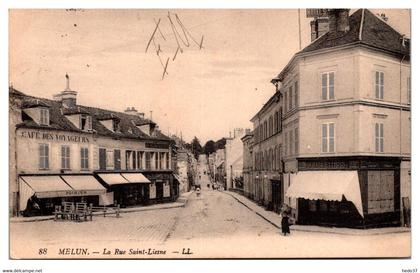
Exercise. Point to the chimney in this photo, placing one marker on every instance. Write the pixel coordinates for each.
(67, 97)
(130, 111)
(338, 20)
(319, 26)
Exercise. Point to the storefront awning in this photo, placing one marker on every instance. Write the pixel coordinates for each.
(135, 178)
(84, 184)
(42, 186)
(326, 185)
(113, 178)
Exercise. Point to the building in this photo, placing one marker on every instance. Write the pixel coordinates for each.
(182, 166)
(219, 167)
(346, 123)
(248, 142)
(267, 150)
(60, 150)
(233, 159)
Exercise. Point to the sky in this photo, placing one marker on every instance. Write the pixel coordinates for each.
(207, 92)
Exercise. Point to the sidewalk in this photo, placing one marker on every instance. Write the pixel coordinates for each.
(180, 202)
(275, 219)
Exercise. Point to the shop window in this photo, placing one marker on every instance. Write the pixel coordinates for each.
(344, 207)
(65, 157)
(333, 206)
(323, 205)
(312, 205)
(380, 191)
(379, 85)
(84, 158)
(44, 116)
(44, 162)
(327, 86)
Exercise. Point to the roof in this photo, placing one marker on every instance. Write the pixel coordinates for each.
(365, 29)
(58, 121)
(274, 98)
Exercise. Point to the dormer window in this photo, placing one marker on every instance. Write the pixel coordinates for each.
(115, 125)
(44, 116)
(85, 122)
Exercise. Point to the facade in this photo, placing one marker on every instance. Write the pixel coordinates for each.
(267, 153)
(63, 151)
(248, 142)
(347, 124)
(182, 166)
(219, 167)
(233, 158)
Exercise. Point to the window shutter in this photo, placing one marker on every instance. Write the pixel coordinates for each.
(331, 85)
(324, 138)
(331, 137)
(324, 86)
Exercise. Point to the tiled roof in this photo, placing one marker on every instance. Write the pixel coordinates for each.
(365, 29)
(58, 120)
(375, 32)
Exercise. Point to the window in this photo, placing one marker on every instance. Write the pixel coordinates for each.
(139, 160)
(148, 162)
(286, 139)
(296, 141)
(45, 117)
(270, 126)
(44, 156)
(167, 161)
(290, 97)
(285, 101)
(280, 121)
(328, 86)
(115, 125)
(409, 90)
(380, 191)
(265, 130)
(84, 158)
(156, 155)
(65, 157)
(85, 122)
(379, 85)
(296, 94)
(328, 138)
(276, 124)
(291, 142)
(379, 137)
(109, 159)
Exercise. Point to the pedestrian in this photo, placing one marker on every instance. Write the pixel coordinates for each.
(285, 224)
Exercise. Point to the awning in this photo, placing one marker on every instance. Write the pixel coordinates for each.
(135, 178)
(113, 178)
(327, 185)
(176, 177)
(84, 184)
(42, 186)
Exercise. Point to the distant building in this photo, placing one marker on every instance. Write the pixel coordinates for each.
(248, 143)
(233, 157)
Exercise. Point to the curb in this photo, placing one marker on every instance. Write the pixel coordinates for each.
(330, 231)
(179, 203)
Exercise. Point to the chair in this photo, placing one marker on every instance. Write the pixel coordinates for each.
(80, 212)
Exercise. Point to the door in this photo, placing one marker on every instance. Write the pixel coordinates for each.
(117, 159)
(102, 159)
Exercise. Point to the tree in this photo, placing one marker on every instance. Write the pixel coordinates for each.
(196, 147)
(209, 147)
(220, 144)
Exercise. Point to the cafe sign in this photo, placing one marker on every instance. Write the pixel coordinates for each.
(53, 136)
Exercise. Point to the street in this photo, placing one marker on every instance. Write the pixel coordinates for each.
(212, 224)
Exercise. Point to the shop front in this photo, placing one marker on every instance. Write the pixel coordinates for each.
(125, 188)
(360, 192)
(39, 194)
(161, 187)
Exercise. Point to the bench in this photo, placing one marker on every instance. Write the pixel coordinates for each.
(103, 210)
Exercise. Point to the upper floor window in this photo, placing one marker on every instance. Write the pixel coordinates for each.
(85, 122)
(265, 130)
(44, 162)
(290, 97)
(409, 89)
(296, 141)
(280, 121)
(270, 126)
(291, 142)
(44, 116)
(328, 86)
(328, 138)
(379, 137)
(65, 157)
(276, 124)
(379, 85)
(285, 101)
(148, 161)
(296, 94)
(84, 158)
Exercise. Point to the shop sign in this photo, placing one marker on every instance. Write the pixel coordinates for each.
(157, 145)
(53, 136)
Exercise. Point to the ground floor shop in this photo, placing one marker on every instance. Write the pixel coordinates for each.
(358, 192)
